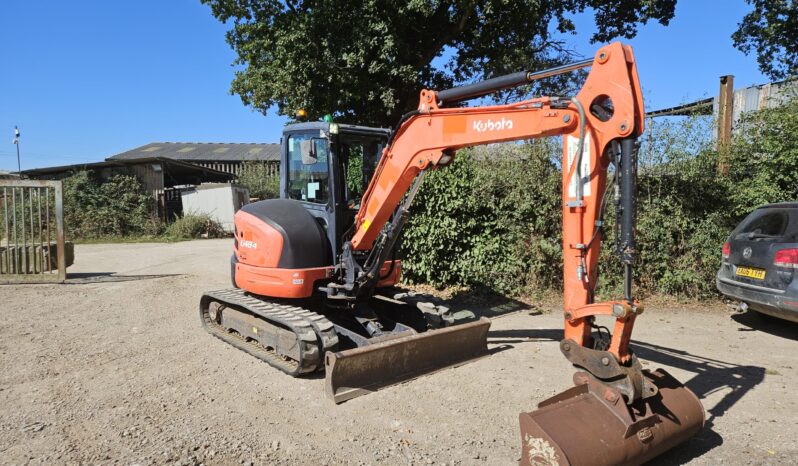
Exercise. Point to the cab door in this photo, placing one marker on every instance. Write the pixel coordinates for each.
(355, 156)
(308, 178)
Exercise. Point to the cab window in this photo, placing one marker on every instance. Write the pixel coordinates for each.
(308, 176)
(360, 155)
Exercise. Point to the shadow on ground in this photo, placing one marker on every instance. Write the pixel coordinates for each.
(481, 301)
(524, 336)
(753, 321)
(110, 277)
(488, 303)
(711, 376)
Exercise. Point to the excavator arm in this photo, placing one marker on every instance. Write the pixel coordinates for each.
(599, 127)
(604, 118)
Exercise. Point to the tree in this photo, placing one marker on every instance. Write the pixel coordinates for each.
(771, 30)
(366, 60)
(764, 156)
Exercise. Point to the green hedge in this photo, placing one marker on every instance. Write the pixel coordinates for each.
(493, 219)
(116, 207)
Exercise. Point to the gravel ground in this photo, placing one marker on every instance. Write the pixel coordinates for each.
(114, 367)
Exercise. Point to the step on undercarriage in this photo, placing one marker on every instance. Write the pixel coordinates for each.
(379, 343)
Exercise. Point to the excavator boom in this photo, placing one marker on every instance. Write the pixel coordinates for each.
(597, 125)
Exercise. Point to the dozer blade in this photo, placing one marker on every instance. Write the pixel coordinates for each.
(359, 371)
(590, 424)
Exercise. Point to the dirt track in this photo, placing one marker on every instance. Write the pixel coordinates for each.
(114, 367)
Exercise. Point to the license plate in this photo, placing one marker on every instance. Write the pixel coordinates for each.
(756, 274)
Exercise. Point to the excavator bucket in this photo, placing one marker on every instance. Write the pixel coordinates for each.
(359, 371)
(590, 424)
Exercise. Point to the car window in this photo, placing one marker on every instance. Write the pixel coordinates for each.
(765, 225)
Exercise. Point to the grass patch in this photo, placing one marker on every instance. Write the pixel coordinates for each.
(117, 239)
(193, 227)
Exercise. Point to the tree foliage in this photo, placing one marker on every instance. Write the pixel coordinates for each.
(365, 61)
(764, 156)
(771, 30)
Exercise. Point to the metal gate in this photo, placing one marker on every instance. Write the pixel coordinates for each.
(32, 231)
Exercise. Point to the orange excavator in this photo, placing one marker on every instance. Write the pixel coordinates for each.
(313, 270)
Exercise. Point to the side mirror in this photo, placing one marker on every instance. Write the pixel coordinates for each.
(308, 150)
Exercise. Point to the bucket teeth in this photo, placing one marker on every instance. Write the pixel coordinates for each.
(358, 371)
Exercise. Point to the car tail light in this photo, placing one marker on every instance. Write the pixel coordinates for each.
(786, 258)
(726, 250)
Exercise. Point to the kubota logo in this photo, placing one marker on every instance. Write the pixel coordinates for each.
(490, 125)
(249, 244)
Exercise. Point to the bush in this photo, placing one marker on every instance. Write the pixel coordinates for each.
(260, 179)
(493, 219)
(116, 207)
(682, 221)
(686, 211)
(194, 226)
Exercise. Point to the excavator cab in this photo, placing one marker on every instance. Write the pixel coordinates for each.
(326, 167)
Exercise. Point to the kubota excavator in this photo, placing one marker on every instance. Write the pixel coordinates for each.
(310, 269)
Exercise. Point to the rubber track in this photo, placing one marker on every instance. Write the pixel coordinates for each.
(314, 332)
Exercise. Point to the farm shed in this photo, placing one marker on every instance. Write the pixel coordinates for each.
(160, 176)
(225, 157)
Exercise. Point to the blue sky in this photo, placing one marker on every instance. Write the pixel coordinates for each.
(85, 80)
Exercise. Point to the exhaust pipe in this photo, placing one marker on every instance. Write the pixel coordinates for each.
(743, 306)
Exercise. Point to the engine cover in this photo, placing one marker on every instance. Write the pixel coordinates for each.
(280, 250)
(280, 233)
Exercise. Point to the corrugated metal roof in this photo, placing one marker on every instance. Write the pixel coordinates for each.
(199, 151)
(178, 170)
